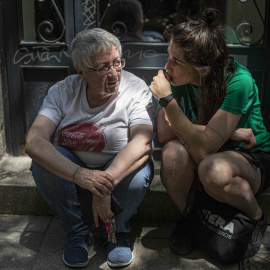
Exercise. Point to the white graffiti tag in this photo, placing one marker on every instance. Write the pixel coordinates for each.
(40, 53)
(89, 8)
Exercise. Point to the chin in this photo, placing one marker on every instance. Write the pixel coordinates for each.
(112, 90)
(175, 83)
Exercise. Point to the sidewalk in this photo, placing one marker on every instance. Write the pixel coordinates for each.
(37, 242)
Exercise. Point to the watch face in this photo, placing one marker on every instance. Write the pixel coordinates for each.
(163, 102)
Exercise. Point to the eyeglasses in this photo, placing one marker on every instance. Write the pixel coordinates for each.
(117, 64)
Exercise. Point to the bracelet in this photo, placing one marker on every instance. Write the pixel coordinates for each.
(75, 174)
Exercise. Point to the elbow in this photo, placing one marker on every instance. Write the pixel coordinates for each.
(202, 150)
(198, 158)
(30, 145)
(27, 147)
(161, 138)
(199, 155)
(148, 149)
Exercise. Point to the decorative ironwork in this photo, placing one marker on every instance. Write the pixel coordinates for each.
(105, 12)
(48, 26)
(247, 28)
(119, 29)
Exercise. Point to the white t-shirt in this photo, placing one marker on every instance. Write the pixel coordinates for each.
(96, 135)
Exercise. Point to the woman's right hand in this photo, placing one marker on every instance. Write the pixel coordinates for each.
(160, 86)
(102, 209)
(246, 136)
(99, 183)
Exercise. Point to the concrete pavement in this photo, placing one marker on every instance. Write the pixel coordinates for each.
(37, 243)
(33, 239)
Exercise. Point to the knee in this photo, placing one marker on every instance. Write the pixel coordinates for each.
(38, 171)
(138, 180)
(214, 173)
(66, 153)
(145, 175)
(173, 156)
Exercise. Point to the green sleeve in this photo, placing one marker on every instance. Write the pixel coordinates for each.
(239, 95)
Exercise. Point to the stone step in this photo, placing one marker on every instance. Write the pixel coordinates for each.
(19, 195)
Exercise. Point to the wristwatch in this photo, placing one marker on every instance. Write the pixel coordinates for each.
(165, 100)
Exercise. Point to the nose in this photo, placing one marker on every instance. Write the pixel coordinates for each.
(112, 71)
(168, 66)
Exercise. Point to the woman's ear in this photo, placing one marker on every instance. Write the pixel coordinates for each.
(80, 73)
(205, 70)
(208, 68)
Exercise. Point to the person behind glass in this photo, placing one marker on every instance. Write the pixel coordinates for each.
(210, 115)
(192, 9)
(129, 14)
(94, 133)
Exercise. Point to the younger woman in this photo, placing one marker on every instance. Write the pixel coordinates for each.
(207, 99)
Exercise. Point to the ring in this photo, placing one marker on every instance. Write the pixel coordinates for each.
(107, 220)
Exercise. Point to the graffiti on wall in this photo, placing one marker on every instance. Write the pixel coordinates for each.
(39, 54)
(89, 12)
(43, 54)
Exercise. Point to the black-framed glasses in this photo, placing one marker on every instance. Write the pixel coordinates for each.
(117, 64)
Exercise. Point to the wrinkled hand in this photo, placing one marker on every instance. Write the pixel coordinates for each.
(99, 183)
(246, 136)
(102, 209)
(160, 86)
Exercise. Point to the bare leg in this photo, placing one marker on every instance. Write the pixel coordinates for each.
(230, 178)
(178, 171)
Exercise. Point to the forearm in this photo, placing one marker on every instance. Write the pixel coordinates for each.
(131, 157)
(200, 128)
(193, 137)
(165, 132)
(44, 153)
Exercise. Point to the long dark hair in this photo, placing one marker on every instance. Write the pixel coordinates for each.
(204, 46)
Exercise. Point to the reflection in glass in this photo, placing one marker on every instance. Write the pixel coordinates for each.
(126, 21)
(247, 18)
(151, 20)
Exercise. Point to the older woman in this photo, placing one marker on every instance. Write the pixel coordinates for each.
(93, 133)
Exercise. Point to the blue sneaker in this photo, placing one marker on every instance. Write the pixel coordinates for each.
(119, 254)
(76, 250)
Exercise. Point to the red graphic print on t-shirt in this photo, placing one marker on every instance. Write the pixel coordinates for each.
(85, 136)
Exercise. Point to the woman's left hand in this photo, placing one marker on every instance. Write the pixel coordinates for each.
(160, 86)
(246, 136)
(102, 209)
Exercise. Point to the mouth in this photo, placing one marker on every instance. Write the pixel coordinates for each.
(168, 77)
(113, 83)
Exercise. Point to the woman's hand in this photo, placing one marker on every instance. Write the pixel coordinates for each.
(246, 136)
(160, 86)
(102, 209)
(99, 183)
